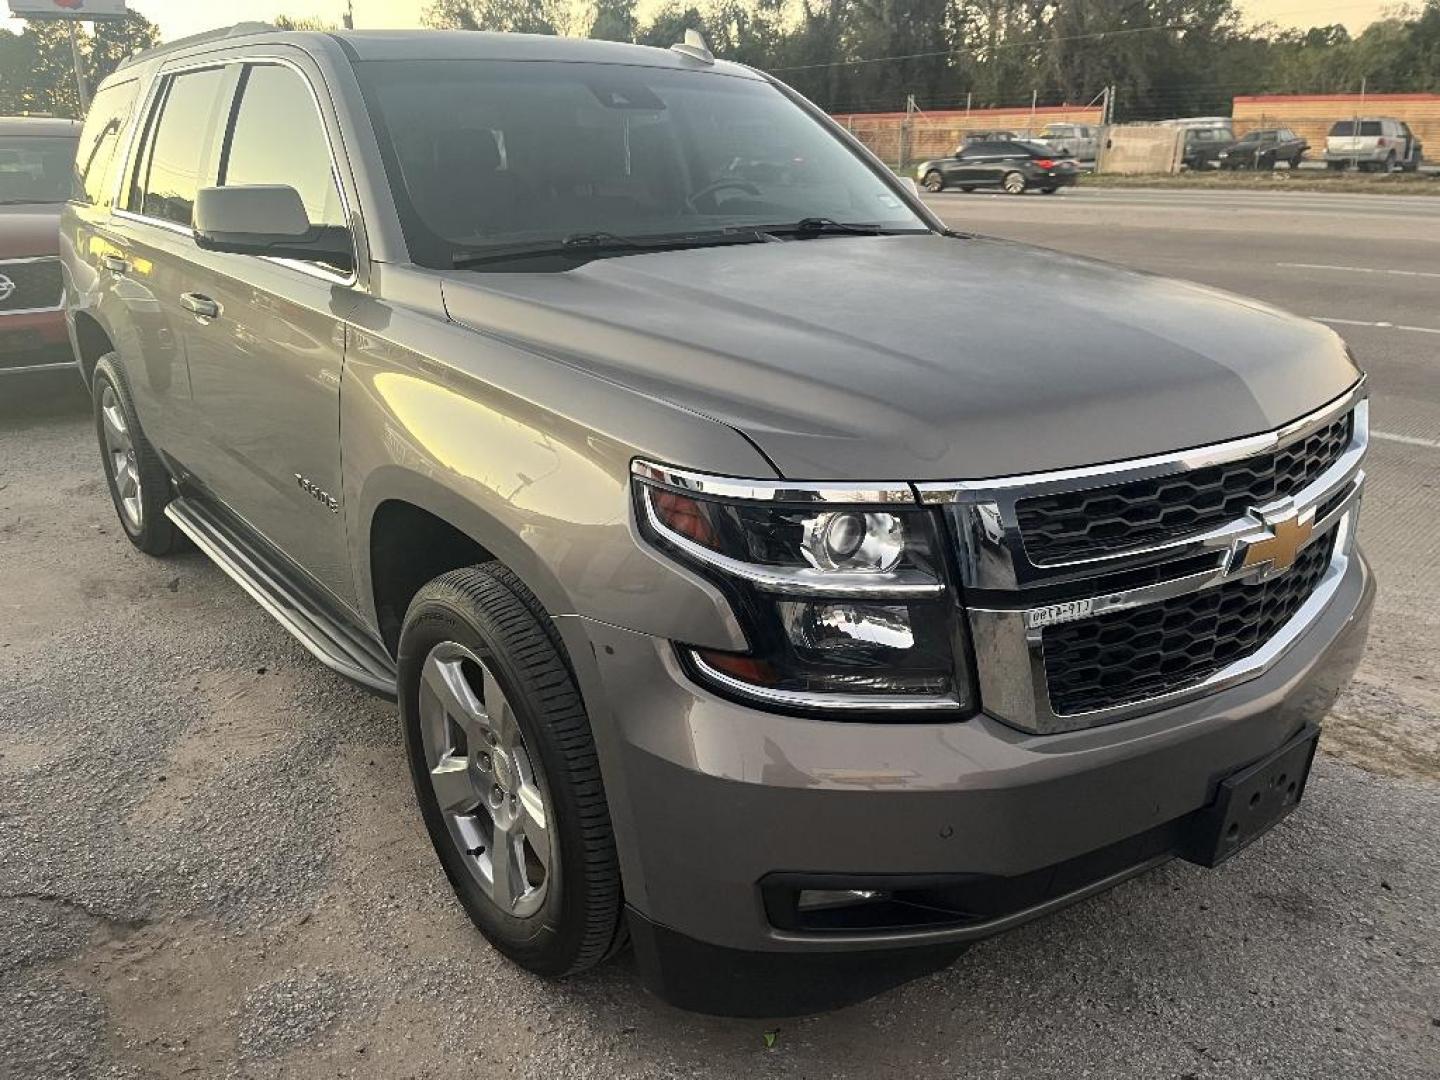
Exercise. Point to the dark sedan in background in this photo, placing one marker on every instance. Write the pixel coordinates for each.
(1264, 148)
(1013, 166)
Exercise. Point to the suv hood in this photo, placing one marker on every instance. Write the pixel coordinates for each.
(920, 357)
(29, 229)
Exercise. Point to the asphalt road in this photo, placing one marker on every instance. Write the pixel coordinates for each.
(210, 865)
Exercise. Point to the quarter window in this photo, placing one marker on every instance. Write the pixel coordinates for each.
(279, 138)
(99, 140)
(178, 159)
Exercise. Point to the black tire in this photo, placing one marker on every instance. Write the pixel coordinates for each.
(1390, 162)
(934, 181)
(1009, 185)
(149, 530)
(487, 610)
(1335, 166)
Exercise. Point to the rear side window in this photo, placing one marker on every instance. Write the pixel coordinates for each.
(178, 156)
(1343, 128)
(1369, 127)
(276, 100)
(99, 140)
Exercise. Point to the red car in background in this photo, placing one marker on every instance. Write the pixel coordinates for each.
(37, 158)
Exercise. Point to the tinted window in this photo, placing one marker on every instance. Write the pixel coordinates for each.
(273, 100)
(1369, 127)
(481, 153)
(179, 152)
(99, 140)
(35, 169)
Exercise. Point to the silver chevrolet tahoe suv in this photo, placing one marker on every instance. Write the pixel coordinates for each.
(757, 584)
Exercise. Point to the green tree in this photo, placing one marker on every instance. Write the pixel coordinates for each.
(37, 71)
(614, 20)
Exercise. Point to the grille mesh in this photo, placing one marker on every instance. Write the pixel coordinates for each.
(35, 285)
(1108, 520)
(1128, 656)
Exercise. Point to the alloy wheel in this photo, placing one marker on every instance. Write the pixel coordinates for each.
(1014, 183)
(483, 779)
(120, 458)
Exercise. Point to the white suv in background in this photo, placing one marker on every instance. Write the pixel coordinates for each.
(1373, 142)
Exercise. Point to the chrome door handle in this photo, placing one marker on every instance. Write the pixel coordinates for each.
(200, 305)
(115, 264)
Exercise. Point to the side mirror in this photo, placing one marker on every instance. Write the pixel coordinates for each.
(268, 220)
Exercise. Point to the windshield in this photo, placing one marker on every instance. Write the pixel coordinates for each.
(483, 154)
(35, 170)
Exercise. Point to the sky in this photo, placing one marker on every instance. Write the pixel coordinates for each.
(177, 18)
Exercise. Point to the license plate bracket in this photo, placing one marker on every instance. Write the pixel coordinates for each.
(1250, 802)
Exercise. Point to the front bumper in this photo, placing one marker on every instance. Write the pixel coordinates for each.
(714, 803)
(34, 341)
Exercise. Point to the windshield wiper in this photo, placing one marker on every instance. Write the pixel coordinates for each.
(594, 245)
(823, 226)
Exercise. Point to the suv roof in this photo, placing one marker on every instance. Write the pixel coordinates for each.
(364, 45)
(53, 126)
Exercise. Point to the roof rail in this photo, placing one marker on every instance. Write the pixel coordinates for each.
(238, 30)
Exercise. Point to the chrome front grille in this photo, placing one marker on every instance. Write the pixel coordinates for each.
(1144, 652)
(1106, 520)
(34, 285)
(1099, 594)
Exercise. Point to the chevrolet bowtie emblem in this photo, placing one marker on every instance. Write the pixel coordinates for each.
(1288, 531)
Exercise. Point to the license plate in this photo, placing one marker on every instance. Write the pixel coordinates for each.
(1250, 802)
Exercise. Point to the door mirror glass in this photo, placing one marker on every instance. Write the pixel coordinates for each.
(268, 220)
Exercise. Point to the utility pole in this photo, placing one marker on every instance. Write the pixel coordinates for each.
(906, 130)
(79, 69)
(1034, 96)
(968, 95)
(1355, 128)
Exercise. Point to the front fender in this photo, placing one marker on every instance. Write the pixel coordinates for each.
(543, 488)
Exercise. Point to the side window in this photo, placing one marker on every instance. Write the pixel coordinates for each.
(277, 99)
(179, 148)
(99, 140)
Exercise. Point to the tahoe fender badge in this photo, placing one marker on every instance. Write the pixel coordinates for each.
(319, 494)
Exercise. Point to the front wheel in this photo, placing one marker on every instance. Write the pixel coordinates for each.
(934, 181)
(1013, 183)
(505, 771)
(138, 482)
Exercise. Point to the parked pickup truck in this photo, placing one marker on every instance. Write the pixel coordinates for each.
(755, 580)
(35, 159)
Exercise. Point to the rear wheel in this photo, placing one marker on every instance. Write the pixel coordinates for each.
(1392, 163)
(1013, 183)
(934, 181)
(138, 481)
(505, 771)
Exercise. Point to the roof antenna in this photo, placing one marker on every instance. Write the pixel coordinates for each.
(694, 47)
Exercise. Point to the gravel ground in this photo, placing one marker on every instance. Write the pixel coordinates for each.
(212, 868)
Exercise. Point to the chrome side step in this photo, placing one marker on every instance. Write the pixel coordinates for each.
(330, 640)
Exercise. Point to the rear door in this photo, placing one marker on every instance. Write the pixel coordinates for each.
(265, 360)
(148, 250)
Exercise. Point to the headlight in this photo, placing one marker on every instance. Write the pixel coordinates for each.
(845, 607)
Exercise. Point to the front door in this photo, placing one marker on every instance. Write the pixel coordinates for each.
(266, 340)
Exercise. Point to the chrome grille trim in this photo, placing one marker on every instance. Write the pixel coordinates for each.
(1007, 617)
(43, 309)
